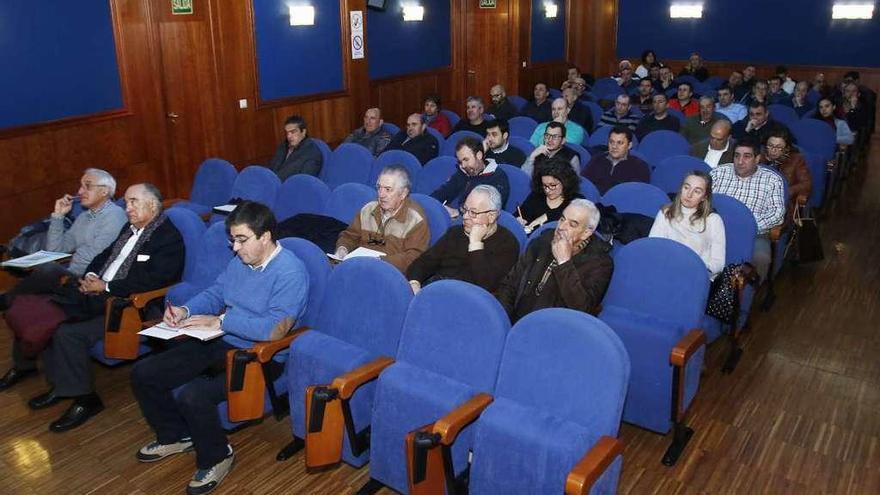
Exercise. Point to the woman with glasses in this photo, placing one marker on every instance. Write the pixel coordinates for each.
(554, 185)
(781, 157)
(689, 219)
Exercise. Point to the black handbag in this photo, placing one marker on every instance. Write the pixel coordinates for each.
(806, 244)
(723, 300)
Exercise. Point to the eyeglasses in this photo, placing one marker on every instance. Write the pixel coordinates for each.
(547, 135)
(89, 187)
(775, 146)
(467, 212)
(240, 240)
(551, 187)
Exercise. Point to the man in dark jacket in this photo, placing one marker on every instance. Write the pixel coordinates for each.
(501, 107)
(564, 268)
(473, 170)
(297, 154)
(415, 140)
(147, 255)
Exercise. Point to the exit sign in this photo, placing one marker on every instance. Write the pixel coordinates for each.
(181, 7)
(488, 4)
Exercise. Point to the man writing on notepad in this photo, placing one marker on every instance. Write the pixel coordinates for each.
(394, 224)
(260, 296)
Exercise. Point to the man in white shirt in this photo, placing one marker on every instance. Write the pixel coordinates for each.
(718, 149)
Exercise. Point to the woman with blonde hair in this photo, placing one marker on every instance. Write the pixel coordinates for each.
(689, 219)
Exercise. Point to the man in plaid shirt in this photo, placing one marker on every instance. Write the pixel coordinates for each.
(760, 189)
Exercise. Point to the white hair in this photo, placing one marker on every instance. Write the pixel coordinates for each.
(491, 193)
(593, 214)
(103, 179)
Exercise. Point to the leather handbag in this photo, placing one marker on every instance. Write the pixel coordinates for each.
(806, 243)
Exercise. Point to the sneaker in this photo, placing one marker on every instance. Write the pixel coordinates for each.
(155, 451)
(205, 480)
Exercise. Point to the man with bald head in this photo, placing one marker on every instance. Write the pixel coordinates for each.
(148, 254)
(573, 132)
(372, 135)
(718, 148)
(696, 127)
(415, 140)
(577, 112)
(501, 106)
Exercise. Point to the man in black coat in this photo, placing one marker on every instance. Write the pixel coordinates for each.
(148, 254)
(415, 140)
(297, 154)
(501, 107)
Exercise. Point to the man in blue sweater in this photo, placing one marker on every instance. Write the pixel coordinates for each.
(260, 296)
(473, 169)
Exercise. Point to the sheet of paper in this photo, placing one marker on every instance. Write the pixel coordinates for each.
(35, 259)
(159, 332)
(333, 257)
(362, 251)
(165, 332)
(225, 208)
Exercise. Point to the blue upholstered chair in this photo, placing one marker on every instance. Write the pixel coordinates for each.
(331, 367)
(434, 174)
(589, 191)
(509, 222)
(254, 183)
(274, 354)
(819, 175)
(301, 193)
(583, 155)
(655, 303)
(606, 85)
(783, 114)
(445, 359)
(596, 112)
(815, 136)
(348, 163)
(326, 152)
(395, 157)
(521, 143)
(518, 102)
(522, 126)
(211, 256)
(438, 217)
(447, 148)
(437, 134)
(347, 200)
(559, 398)
(599, 139)
(714, 82)
(452, 116)
(520, 186)
(635, 197)
(677, 113)
(122, 344)
(662, 144)
(391, 128)
(212, 186)
(670, 172)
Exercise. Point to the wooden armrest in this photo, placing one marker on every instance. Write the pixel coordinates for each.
(686, 347)
(450, 425)
(348, 383)
(591, 466)
(265, 351)
(168, 203)
(141, 299)
(775, 233)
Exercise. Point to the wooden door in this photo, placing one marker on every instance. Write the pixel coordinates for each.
(491, 47)
(190, 89)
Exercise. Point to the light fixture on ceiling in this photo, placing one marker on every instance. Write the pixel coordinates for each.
(550, 10)
(686, 10)
(849, 10)
(302, 15)
(413, 12)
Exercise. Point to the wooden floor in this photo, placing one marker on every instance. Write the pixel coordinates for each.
(801, 414)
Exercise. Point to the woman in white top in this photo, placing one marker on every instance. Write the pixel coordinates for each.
(689, 220)
(648, 58)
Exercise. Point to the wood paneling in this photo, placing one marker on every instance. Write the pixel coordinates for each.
(592, 36)
(399, 97)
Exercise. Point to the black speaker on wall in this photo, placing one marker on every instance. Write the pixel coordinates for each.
(376, 5)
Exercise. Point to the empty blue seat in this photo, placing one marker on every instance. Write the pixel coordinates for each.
(437, 134)
(589, 191)
(596, 112)
(815, 136)
(347, 200)
(521, 143)
(583, 154)
(670, 172)
(301, 193)
(522, 126)
(210, 257)
(391, 128)
(520, 186)
(438, 217)
(395, 157)
(783, 114)
(677, 114)
(517, 101)
(434, 174)
(447, 148)
(326, 152)
(658, 145)
(212, 186)
(349, 163)
(509, 222)
(600, 137)
(254, 183)
(635, 197)
(452, 116)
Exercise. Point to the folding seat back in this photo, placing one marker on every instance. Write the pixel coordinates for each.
(636, 197)
(520, 186)
(714, 82)
(212, 186)
(521, 143)
(449, 352)
(599, 138)
(677, 113)
(819, 178)
(509, 222)
(347, 200)
(395, 157)
(518, 102)
(212, 255)
(589, 190)
(522, 126)
(452, 116)
(815, 136)
(301, 193)
(437, 135)
(661, 144)
(783, 114)
(326, 152)
(686, 78)
(606, 85)
(655, 303)
(359, 321)
(447, 148)
(583, 155)
(438, 217)
(436, 172)
(348, 163)
(596, 112)
(254, 183)
(554, 93)
(671, 171)
(391, 128)
(561, 387)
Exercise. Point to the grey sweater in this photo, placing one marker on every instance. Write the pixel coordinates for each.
(91, 233)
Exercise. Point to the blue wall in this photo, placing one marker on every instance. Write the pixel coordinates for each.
(759, 31)
(297, 60)
(396, 48)
(58, 59)
(548, 35)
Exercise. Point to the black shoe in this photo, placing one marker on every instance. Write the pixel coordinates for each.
(14, 376)
(44, 400)
(82, 409)
(5, 301)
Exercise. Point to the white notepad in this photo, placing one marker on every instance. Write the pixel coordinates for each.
(358, 253)
(38, 258)
(165, 332)
(225, 209)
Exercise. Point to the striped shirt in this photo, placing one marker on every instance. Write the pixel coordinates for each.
(762, 192)
(630, 120)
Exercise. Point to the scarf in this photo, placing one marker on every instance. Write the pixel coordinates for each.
(120, 242)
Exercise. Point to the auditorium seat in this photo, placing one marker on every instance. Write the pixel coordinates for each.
(596, 112)
(301, 193)
(447, 148)
(677, 113)
(437, 135)
(655, 303)
(434, 174)
(558, 399)
(445, 359)
(520, 186)
(391, 128)
(356, 332)
(783, 114)
(671, 171)
(518, 102)
(211, 256)
(452, 116)
(583, 154)
(395, 157)
(658, 145)
(347, 200)
(522, 126)
(635, 197)
(212, 186)
(588, 190)
(521, 143)
(815, 136)
(325, 151)
(349, 162)
(438, 217)
(509, 222)
(254, 183)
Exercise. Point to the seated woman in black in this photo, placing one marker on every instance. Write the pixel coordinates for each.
(554, 185)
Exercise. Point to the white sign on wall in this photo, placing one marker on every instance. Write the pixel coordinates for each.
(357, 34)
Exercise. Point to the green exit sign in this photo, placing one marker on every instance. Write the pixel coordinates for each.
(181, 7)
(488, 4)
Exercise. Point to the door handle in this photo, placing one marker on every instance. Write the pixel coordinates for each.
(172, 115)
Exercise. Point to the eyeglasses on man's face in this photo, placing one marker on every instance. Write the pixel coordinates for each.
(467, 212)
(554, 137)
(239, 239)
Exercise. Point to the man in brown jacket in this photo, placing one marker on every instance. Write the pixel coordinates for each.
(393, 224)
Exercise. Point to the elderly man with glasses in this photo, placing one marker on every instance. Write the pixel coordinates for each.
(477, 251)
(564, 268)
(394, 224)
